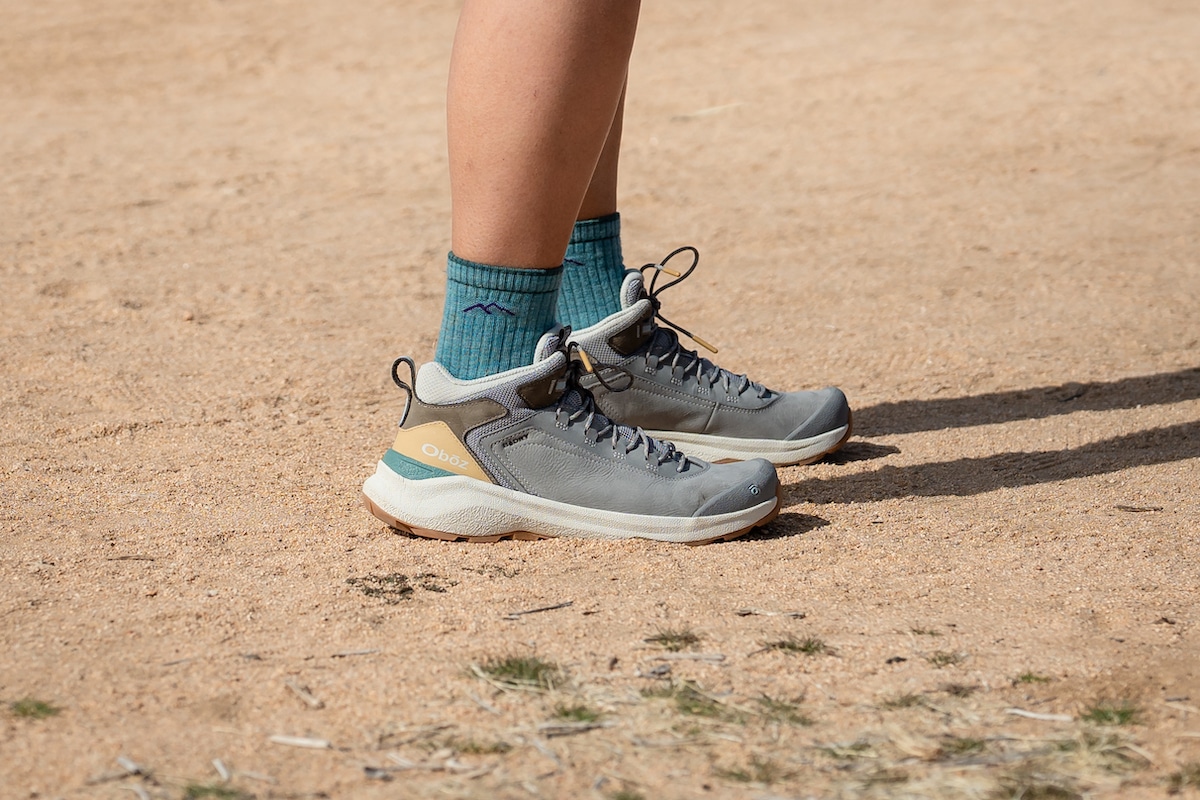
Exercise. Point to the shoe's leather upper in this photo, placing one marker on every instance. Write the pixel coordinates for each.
(672, 389)
(568, 452)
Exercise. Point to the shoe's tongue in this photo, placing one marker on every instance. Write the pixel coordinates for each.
(573, 399)
(655, 339)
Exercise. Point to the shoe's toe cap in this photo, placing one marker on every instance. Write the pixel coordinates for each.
(824, 411)
(749, 483)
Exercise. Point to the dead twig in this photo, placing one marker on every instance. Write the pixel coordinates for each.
(300, 741)
(131, 766)
(710, 658)
(256, 776)
(484, 704)
(545, 750)
(553, 729)
(758, 612)
(638, 741)
(412, 735)
(303, 693)
(1020, 712)
(660, 672)
(451, 765)
(518, 614)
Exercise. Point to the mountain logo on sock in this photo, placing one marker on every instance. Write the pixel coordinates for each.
(489, 309)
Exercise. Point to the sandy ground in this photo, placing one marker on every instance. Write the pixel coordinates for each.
(221, 221)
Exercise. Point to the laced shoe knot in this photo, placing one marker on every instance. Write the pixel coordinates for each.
(665, 347)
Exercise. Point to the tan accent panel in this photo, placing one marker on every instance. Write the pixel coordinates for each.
(436, 445)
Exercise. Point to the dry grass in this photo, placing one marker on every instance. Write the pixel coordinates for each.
(521, 672)
(1108, 713)
(674, 640)
(576, 713)
(809, 646)
(944, 658)
(756, 770)
(29, 708)
(1187, 777)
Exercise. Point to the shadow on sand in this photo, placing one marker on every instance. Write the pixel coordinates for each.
(786, 524)
(911, 416)
(970, 476)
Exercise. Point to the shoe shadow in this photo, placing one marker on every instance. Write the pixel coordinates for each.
(786, 524)
(911, 416)
(859, 451)
(970, 476)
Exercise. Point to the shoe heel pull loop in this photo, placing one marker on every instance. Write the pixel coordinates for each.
(407, 388)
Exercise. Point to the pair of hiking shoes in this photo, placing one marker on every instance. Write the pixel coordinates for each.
(585, 441)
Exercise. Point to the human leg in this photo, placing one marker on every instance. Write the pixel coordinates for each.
(532, 94)
(675, 393)
(594, 265)
(534, 88)
(504, 448)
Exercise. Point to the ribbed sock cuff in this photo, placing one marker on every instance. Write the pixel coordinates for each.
(504, 279)
(594, 230)
(594, 271)
(494, 316)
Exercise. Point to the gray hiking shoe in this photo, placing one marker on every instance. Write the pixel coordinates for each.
(525, 454)
(675, 394)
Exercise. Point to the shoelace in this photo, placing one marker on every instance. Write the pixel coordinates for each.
(625, 438)
(675, 353)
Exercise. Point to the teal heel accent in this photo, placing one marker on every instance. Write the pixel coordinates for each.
(406, 467)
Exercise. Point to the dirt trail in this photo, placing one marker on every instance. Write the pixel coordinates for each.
(219, 223)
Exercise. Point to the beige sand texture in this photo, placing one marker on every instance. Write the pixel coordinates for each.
(220, 221)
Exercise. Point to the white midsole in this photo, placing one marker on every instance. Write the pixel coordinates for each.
(717, 448)
(469, 507)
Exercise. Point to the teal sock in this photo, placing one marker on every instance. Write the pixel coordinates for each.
(593, 273)
(494, 316)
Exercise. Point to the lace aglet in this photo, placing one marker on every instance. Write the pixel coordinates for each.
(587, 361)
(703, 343)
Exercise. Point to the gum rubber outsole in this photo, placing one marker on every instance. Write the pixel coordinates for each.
(426, 533)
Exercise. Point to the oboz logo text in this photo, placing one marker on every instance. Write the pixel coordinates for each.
(433, 451)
